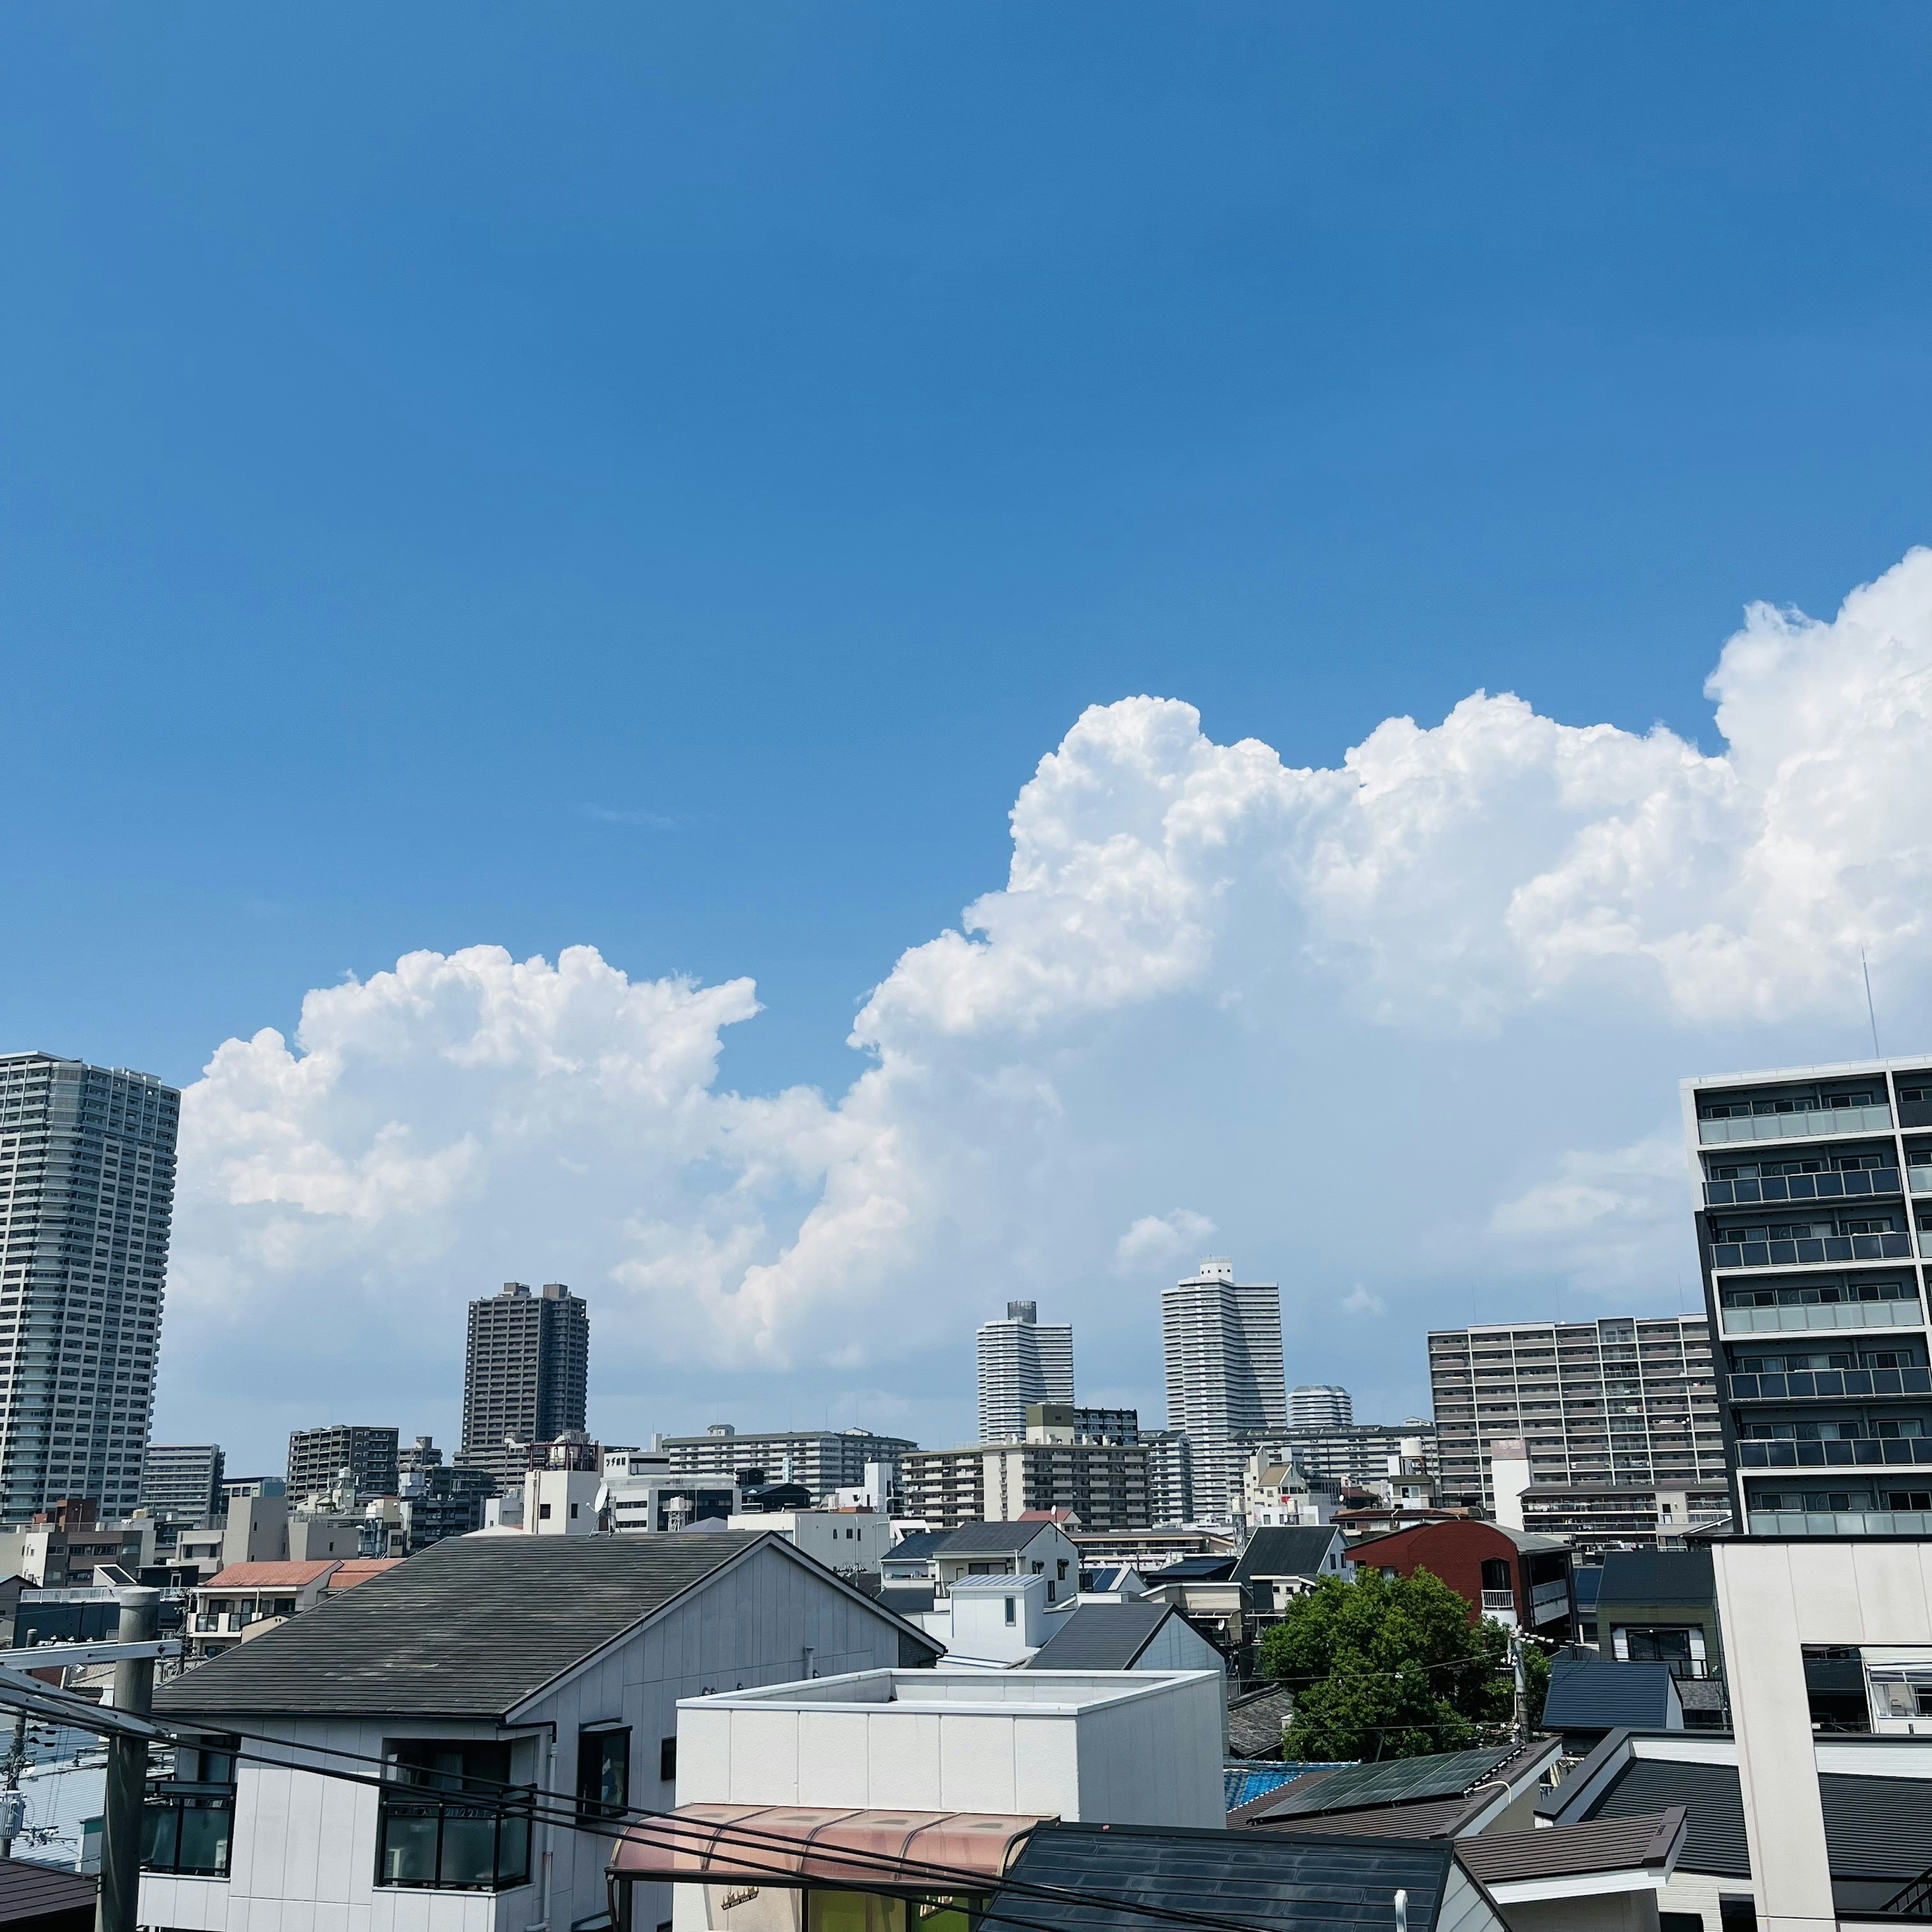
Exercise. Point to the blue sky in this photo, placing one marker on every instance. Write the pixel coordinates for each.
(660, 479)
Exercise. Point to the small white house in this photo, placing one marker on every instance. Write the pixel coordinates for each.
(553, 1666)
(996, 1621)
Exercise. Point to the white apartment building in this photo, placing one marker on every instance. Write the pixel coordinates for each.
(1624, 1400)
(1221, 1345)
(1320, 1406)
(1022, 1360)
(87, 1185)
(1812, 1189)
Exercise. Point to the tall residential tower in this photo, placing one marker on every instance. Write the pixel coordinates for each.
(1812, 1187)
(87, 1188)
(1222, 1345)
(1022, 1359)
(527, 1376)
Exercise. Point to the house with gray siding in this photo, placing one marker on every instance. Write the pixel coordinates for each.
(447, 1747)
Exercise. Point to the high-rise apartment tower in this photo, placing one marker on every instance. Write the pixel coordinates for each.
(527, 1374)
(1022, 1359)
(1320, 1406)
(1625, 1401)
(1813, 1192)
(1221, 1342)
(87, 1188)
(319, 1457)
(182, 1481)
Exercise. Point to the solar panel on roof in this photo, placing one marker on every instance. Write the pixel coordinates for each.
(1402, 1781)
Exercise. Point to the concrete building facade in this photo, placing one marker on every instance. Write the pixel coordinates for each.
(1812, 1192)
(1359, 1451)
(526, 1374)
(1221, 1351)
(87, 1183)
(1104, 1483)
(1022, 1360)
(182, 1481)
(318, 1457)
(823, 1459)
(1320, 1406)
(1622, 1400)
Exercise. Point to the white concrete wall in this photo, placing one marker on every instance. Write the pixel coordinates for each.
(1118, 1747)
(305, 1852)
(1772, 1598)
(838, 1541)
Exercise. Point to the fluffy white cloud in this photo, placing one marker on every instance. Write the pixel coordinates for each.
(1208, 974)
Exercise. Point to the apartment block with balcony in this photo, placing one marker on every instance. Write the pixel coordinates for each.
(1626, 1400)
(1812, 1191)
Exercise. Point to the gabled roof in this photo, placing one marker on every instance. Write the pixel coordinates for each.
(1571, 1851)
(1255, 1721)
(1193, 1570)
(359, 1570)
(1268, 1884)
(1408, 1780)
(1296, 1552)
(472, 1627)
(1686, 1576)
(921, 1544)
(996, 1539)
(31, 1890)
(269, 1576)
(1588, 1694)
(1101, 1637)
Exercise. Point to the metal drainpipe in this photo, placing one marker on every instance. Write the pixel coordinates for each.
(549, 1837)
(1402, 1912)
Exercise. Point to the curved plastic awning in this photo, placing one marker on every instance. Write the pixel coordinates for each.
(864, 1851)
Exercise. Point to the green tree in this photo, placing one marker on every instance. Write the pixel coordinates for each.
(1383, 1668)
(1535, 1682)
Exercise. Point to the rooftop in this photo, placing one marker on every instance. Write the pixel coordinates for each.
(1659, 1577)
(1410, 1780)
(472, 1628)
(1570, 1851)
(269, 1576)
(994, 1538)
(1588, 1694)
(1294, 1552)
(1104, 1636)
(922, 1692)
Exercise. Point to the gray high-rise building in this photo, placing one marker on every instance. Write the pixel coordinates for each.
(317, 1458)
(1022, 1359)
(87, 1186)
(1221, 1343)
(182, 1481)
(527, 1376)
(823, 1459)
(1812, 1192)
(1625, 1400)
(1320, 1406)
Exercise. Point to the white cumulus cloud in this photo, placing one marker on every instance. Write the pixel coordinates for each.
(1336, 1008)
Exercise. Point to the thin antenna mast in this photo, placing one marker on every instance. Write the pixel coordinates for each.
(1871, 1012)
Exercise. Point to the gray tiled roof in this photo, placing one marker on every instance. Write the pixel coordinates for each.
(1659, 1577)
(992, 1539)
(921, 1543)
(470, 1627)
(1269, 1883)
(1293, 1552)
(1559, 1851)
(29, 1890)
(1101, 1637)
(1713, 1840)
(1587, 1695)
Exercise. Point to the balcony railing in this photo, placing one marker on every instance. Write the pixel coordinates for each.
(1899, 1314)
(1795, 1127)
(1499, 1603)
(1841, 1522)
(1813, 1249)
(1832, 1187)
(187, 1828)
(1805, 1383)
(1548, 1596)
(1918, 1179)
(1892, 1451)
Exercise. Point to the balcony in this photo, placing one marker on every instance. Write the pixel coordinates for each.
(1918, 1179)
(1841, 1522)
(1549, 1599)
(186, 1828)
(1884, 1451)
(1500, 1604)
(1814, 1249)
(1805, 1384)
(1831, 1186)
(1899, 1314)
(1796, 1126)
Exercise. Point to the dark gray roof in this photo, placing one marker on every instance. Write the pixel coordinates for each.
(1430, 1818)
(1601, 1696)
(1557, 1851)
(1193, 1570)
(470, 1627)
(1877, 1827)
(1255, 1722)
(1401, 1781)
(1714, 1838)
(1296, 1552)
(922, 1543)
(1102, 1637)
(993, 1538)
(1270, 1883)
(1684, 1577)
(1586, 1579)
(31, 1890)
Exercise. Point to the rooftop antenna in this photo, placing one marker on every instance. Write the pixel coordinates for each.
(1871, 1012)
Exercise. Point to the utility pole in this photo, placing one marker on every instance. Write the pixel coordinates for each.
(1520, 1707)
(11, 1804)
(118, 1907)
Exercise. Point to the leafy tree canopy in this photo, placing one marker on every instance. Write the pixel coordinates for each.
(1385, 1668)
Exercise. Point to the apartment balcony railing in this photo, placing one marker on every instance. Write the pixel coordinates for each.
(1803, 1384)
(1545, 1597)
(1841, 1522)
(1813, 1249)
(1796, 1126)
(1832, 1187)
(1898, 1314)
(1885, 1451)
(1499, 1603)
(1918, 1179)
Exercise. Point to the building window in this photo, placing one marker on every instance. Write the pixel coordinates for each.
(451, 1820)
(187, 1821)
(603, 1773)
(1010, 1610)
(668, 1759)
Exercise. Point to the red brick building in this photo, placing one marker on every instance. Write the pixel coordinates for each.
(1518, 1579)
